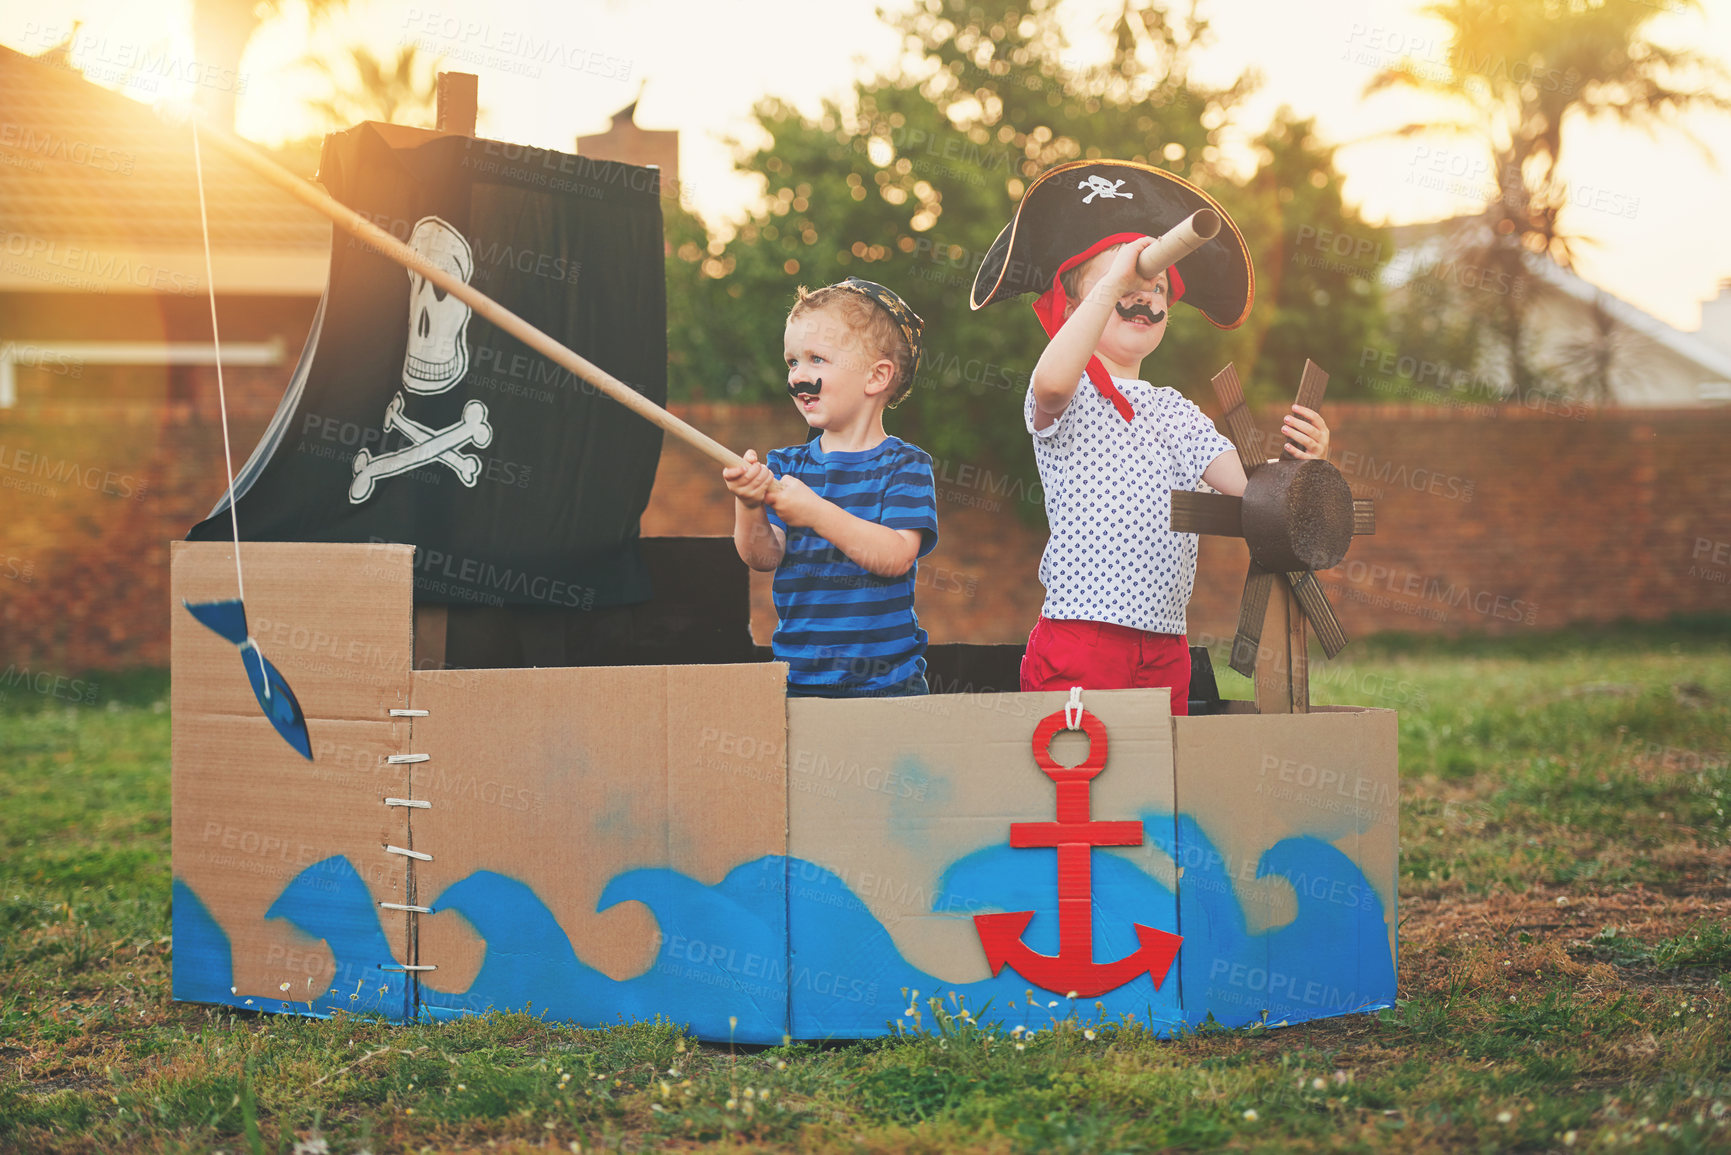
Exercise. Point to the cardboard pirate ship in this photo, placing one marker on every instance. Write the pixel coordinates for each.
(651, 827)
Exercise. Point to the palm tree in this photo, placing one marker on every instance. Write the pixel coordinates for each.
(221, 31)
(1518, 72)
(403, 88)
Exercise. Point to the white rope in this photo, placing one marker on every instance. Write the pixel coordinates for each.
(1073, 709)
(216, 345)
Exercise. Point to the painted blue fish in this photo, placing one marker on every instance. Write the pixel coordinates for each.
(228, 618)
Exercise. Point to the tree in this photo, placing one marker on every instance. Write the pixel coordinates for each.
(402, 91)
(1317, 263)
(910, 185)
(221, 31)
(1516, 75)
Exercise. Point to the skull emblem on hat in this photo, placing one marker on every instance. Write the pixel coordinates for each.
(438, 352)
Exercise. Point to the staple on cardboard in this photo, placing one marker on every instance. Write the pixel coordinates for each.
(400, 759)
(408, 853)
(408, 713)
(418, 803)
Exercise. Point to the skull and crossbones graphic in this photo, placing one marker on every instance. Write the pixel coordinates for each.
(436, 359)
(1099, 186)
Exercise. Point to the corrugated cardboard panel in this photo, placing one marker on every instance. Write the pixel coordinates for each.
(606, 842)
(899, 824)
(335, 618)
(1288, 834)
(280, 863)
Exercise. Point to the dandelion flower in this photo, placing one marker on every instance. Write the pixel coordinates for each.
(733, 1104)
(781, 1064)
(1250, 1115)
(1071, 995)
(1089, 1035)
(1021, 1046)
(462, 1086)
(1317, 1084)
(283, 987)
(1505, 1117)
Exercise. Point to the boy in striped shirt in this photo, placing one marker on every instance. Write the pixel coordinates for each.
(844, 518)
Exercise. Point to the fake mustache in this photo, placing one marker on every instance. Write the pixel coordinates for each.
(1131, 312)
(811, 387)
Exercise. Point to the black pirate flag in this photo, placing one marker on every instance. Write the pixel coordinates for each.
(409, 419)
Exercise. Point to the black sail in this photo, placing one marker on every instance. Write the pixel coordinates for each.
(409, 419)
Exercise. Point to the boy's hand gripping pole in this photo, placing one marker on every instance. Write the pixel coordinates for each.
(1178, 242)
(378, 239)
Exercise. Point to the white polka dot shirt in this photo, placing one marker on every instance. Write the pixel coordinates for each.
(1112, 556)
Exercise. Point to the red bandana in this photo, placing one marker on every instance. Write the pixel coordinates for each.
(1050, 305)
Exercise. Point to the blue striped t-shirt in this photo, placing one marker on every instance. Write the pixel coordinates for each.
(845, 632)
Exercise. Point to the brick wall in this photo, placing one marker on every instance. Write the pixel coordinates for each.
(1492, 521)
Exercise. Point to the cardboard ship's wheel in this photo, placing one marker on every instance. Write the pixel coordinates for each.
(1297, 517)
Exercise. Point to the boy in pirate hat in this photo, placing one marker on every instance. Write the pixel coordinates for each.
(1110, 446)
(855, 509)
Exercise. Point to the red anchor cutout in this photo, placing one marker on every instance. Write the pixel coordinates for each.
(1075, 835)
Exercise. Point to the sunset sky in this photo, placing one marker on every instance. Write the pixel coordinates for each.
(1654, 206)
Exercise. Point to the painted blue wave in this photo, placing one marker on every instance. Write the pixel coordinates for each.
(782, 945)
(329, 902)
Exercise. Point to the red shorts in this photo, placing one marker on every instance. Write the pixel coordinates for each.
(1102, 656)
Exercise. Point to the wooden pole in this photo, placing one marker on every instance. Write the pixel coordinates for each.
(458, 102)
(346, 218)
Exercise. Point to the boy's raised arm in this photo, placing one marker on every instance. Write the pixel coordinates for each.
(1060, 367)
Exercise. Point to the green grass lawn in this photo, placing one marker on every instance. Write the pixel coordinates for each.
(1565, 971)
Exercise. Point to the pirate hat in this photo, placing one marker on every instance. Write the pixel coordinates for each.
(1072, 208)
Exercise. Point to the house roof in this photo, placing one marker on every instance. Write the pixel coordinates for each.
(94, 187)
(1431, 241)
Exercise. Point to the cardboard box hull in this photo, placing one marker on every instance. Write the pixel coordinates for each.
(617, 842)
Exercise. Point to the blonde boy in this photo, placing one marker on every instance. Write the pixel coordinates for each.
(843, 519)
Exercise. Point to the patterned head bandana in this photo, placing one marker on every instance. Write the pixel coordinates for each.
(905, 318)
